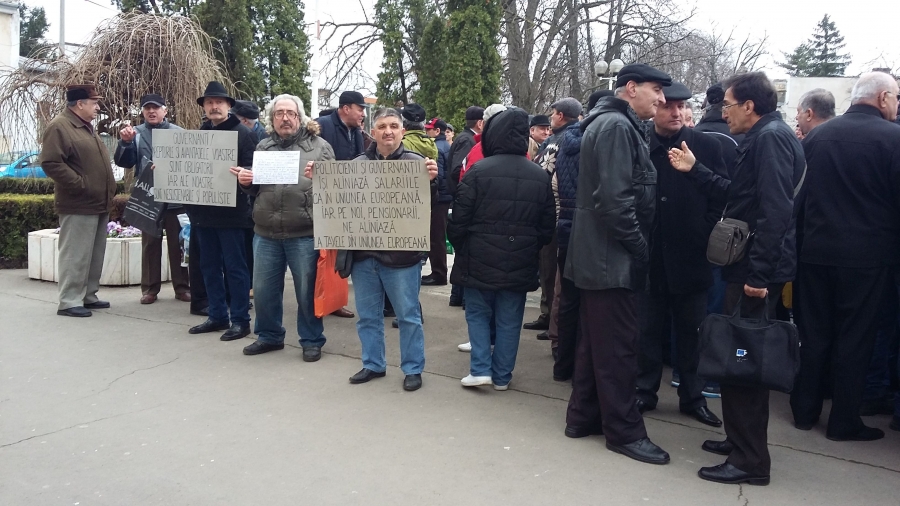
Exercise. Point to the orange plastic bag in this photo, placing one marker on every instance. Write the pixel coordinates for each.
(332, 292)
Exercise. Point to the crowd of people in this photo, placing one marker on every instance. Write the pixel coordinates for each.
(607, 208)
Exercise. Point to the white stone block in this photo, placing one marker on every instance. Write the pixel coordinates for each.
(133, 274)
(34, 255)
(48, 258)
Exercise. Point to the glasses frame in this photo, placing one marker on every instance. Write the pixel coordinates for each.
(729, 106)
(282, 114)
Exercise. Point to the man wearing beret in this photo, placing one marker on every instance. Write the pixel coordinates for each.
(73, 155)
(608, 260)
(680, 275)
(136, 144)
(248, 113)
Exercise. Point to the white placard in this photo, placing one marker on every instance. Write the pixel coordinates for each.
(192, 167)
(276, 167)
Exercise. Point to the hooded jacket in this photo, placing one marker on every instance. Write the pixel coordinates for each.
(503, 212)
(285, 211)
(615, 201)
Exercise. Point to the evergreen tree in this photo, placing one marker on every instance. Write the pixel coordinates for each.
(281, 50)
(228, 23)
(798, 63)
(432, 59)
(825, 44)
(32, 28)
(471, 75)
(401, 25)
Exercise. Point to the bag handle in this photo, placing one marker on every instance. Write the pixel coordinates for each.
(736, 315)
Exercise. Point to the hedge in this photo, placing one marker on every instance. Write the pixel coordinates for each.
(20, 214)
(36, 186)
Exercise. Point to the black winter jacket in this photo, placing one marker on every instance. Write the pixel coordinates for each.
(615, 203)
(850, 200)
(347, 143)
(713, 124)
(567, 159)
(443, 161)
(462, 144)
(229, 217)
(503, 213)
(684, 215)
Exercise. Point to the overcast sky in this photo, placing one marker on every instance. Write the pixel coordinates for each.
(786, 22)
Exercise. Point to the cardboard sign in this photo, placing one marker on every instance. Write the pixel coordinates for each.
(372, 205)
(192, 167)
(276, 167)
(142, 210)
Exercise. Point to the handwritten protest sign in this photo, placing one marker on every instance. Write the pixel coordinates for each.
(374, 205)
(192, 167)
(276, 167)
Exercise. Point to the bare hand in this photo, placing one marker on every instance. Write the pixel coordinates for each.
(127, 133)
(307, 172)
(432, 167)
(244, 176)
(682, 159)
(755, 292)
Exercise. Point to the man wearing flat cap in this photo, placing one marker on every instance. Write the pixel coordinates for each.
(539, 128)
(136, 145)
(609, 259)
(73, 155)
(248, 113)
(680, 274)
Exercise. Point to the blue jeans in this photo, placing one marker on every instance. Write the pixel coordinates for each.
(223, 252)
(271, 258)
(507, 308)
(371, 280)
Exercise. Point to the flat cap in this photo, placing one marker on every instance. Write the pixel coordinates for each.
(245, 109)
(539, 120)
(413, 112)
(81, 92)
(474, 113)
(677, 91)
(570, 107)
(352, 97)
(715, 94)
(642, 73)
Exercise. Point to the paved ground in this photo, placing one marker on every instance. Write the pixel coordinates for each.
(126, 408)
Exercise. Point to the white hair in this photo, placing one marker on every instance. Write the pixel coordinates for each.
(270, 111)
(620, 91)
(870, 85)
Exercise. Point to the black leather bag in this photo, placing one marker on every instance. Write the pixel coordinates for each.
(749, 352)
(728, 241)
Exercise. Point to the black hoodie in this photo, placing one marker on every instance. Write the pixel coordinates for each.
(504, 211)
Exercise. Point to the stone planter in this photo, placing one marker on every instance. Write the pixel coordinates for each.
(121, 264)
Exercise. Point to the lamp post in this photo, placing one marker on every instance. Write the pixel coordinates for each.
(603, 69)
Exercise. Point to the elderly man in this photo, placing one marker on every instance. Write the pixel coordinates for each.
(283, 217)
(539, 128)
(850, 239)
(77, 160)
(608, 259)
(815, 107)
(136, 145)
(248, 113)
(222, 230)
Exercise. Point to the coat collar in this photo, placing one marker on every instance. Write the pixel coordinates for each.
(656, 141)
(229, 124)
(77, 122)
(864, 109)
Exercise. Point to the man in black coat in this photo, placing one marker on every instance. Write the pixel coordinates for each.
(222, 231)
(712, 123)
(343, 127)
(680, 275)
(850, 206)
(503, 213)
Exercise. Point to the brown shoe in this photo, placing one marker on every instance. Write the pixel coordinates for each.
(184, 297)
(148, 299)
(343, 313)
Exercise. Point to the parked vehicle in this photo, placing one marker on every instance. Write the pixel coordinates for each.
(21, 164)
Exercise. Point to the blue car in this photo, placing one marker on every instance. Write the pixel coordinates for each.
(21, 164)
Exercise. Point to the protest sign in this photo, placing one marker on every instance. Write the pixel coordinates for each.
(192, 167)
(372, 205)
(142, 210)
(276, 167)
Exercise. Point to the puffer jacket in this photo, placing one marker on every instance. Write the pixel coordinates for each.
(503, 213)
(566, 175)
(418, 142)
(615, 201)
(285, 211)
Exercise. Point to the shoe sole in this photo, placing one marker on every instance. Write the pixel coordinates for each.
(501, 388)
(480, 384)
(750, 481)
(312, 359)
(63, 313)
(841, 439)
(710, 395)
(635, 457)
(579, 435)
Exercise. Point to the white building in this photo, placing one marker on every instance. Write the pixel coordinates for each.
(9, 34)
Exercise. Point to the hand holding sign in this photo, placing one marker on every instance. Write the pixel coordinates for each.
(244, 176)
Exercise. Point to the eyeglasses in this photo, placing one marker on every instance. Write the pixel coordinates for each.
(728, 106)
(286, 114)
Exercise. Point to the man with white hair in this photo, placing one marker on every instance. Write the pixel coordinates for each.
(283, 224)
(815, 107)
(850, 236)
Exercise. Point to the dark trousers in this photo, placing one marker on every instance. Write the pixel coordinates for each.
(745, 410)
(568, 328)
(438, 254)
(548, 266)
(687, 312)
(151, 257)
(882, 371)
(603, 387)
(199, 300)
(223, 254)
(838, 322)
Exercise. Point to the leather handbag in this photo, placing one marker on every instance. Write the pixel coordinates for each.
(728, 241)
(749, 352)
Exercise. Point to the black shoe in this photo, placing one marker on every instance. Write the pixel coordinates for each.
(642, 450)
(873, 407)
(412, 382)
(544, 336)
(730, 475)
(429, 281)
(312, 353)
(77, 312)
(643, 407)
(100, 304)
(718, 447)
(540, 324)
(209, 326)
(895, 423)
(389, 313)
(260, 347)
(201, 312)
(561, 377)
(395, 323)
(864, 434)
(806, 425)
(703, 415)
(365, 375)
(456, 303)
(575, 432)
(237, 331)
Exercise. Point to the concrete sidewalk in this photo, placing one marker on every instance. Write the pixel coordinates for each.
(127, 408)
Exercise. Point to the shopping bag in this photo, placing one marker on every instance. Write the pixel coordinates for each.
(332, 291)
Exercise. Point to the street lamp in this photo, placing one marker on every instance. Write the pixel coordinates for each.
(601, 69)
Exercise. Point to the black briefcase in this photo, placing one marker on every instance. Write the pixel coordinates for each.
(749, 352)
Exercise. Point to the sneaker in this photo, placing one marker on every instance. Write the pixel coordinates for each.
(501, 387)
(466, 347)
(676, 379)
(712, 392)
(475, 381)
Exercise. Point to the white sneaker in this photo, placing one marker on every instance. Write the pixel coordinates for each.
(475, 381)
(466, 347)
(501, 387)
